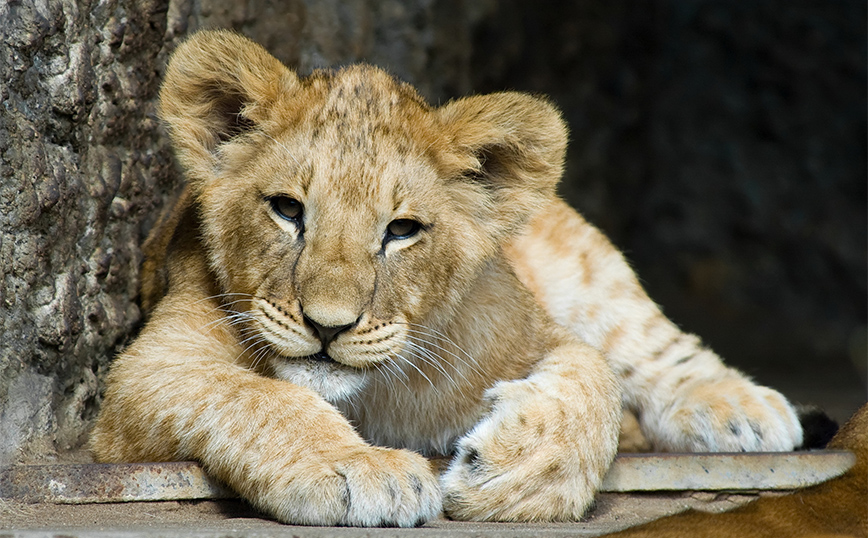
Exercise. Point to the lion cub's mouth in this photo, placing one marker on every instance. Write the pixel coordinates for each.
(321, 356)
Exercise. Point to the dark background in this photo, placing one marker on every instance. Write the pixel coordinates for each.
(720, 144)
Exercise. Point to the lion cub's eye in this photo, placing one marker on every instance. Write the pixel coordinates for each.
(288, 208)
(402, 229)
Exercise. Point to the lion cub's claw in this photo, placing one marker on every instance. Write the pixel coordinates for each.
(372, 487)
(390, 488)
(728, 415)
(528, 460)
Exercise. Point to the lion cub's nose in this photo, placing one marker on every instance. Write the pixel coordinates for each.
(324, 333)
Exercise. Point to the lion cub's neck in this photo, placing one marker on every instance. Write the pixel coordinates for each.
(428, 405)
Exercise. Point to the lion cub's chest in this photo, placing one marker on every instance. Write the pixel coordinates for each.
(427, 419)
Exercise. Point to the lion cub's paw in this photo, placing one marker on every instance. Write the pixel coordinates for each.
(726, 415)
(528, 460)
(369, 487)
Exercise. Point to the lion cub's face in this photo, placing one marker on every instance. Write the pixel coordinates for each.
(342, 230)
(344, 217)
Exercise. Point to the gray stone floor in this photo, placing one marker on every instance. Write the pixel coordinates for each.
(220, 519)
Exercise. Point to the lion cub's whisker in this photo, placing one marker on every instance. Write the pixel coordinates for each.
(260, 354)
(226, 306)
(395, 371)
(229, 320)
(439, 335)
(410, 363)
(426, 356)
(457, 358)
(220, 296)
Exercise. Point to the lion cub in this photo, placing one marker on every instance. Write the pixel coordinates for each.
(354, 278)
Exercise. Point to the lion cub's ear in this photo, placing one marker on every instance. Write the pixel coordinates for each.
(218, 86)
(514, 144)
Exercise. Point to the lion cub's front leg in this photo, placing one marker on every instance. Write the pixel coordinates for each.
(176, 394)
(542, 451)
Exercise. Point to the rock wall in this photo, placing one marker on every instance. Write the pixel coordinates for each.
(84, 169)
(722, 145)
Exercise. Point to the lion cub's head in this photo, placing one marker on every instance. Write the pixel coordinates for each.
(343, 216)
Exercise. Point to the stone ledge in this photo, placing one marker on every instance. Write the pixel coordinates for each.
(176, 481)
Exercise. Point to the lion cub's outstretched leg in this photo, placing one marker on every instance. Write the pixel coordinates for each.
(175, 394)
(686, 399)
(542, 451)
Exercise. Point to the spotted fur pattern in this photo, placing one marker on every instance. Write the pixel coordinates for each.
(354, 279)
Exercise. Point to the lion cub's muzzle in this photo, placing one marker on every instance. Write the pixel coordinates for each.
(352, 339)
(332, 359)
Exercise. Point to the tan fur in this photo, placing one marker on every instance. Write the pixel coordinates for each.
(836, 508)
(496, 333)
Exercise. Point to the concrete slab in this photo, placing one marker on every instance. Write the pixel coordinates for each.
(233, 518)
(179, 499)
(725, 472)
(96, 483)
